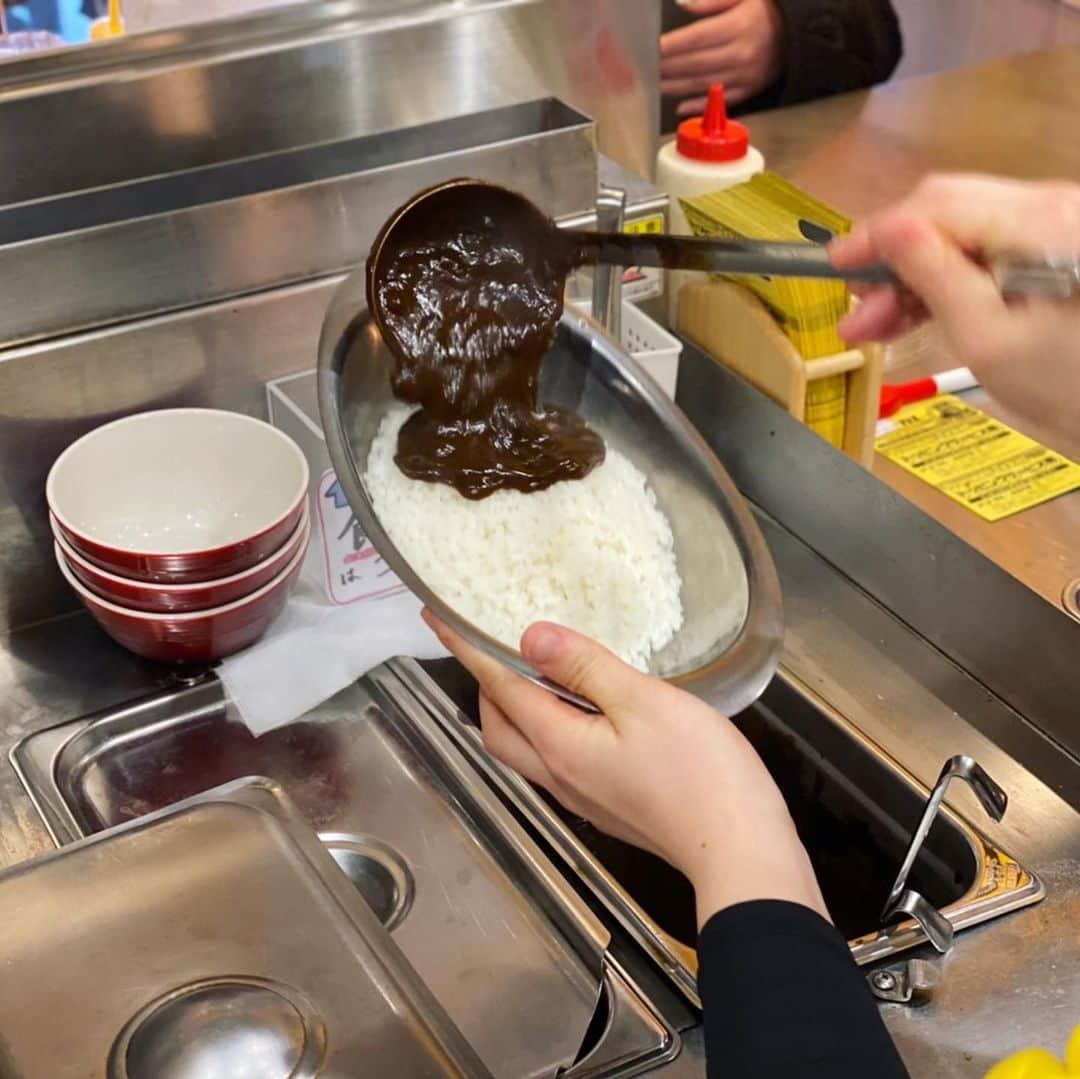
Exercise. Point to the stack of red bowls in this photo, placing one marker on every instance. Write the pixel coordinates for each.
(182, 531)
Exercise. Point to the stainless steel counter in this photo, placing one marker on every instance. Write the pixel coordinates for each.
(869, 629)
(1010, 983)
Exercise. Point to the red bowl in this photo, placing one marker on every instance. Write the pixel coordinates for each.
(195, 636)
(180, 495)
(177, 598)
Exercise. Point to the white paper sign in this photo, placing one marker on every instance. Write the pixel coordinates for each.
(355, 571)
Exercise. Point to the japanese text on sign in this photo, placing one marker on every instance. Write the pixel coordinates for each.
(355, 571)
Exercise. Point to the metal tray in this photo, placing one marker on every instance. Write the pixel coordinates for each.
(202, 938)
(854, 806)
(511, 952)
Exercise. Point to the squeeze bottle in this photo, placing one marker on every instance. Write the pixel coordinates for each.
(708, 153)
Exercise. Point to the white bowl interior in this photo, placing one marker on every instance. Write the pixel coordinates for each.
(177, 481)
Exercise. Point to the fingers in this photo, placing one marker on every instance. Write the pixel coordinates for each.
(691, 106)
(697, 65)
(514, 695)
(929, 239)
(884, 313)
(703, 34)
(982, 214)
(960, 294)
(546, 723)
(873, 318)
(996, 216)
(853, 250)
(587, 668)
(504, 741)
(957, 291)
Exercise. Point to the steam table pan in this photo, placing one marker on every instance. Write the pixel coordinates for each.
(215, 937)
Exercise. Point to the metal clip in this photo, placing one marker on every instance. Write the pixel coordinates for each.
(1070, 599)
(904, 900)
(1054, 278)
(607, 280)
(912, 982)
(186, 677)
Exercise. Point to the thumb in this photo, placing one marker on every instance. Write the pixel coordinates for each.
(583, 666)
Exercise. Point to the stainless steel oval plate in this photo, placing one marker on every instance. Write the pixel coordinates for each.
(727, 648)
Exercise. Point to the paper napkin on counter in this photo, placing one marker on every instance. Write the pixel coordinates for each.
(318, 647)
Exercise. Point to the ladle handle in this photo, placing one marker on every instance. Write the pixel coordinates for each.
(763, 257)
(1054, 278)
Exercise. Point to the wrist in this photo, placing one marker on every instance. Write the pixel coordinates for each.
(770, 863)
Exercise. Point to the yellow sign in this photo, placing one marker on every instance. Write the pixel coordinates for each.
(650, 225)
(976, 460)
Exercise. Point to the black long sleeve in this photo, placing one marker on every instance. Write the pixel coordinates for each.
(782, 997)
(830, 46)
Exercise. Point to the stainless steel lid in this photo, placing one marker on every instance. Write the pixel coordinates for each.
(224, 1026)
(216, 937)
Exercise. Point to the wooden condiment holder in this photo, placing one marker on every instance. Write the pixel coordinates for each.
(732, 325)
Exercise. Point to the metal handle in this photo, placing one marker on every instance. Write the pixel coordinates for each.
(912, 982)
(710, 255)
(607, 279)
(1055, 278)
(904, 900)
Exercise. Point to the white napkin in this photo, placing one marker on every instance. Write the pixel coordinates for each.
(317, 648)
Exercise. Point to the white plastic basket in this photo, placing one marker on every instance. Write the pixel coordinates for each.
(650, 344)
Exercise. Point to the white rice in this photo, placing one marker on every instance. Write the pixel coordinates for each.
(596, 554)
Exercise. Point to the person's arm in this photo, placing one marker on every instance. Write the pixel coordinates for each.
(782, 997)
(833, 46)
(939, 240)
(662, 770)
(778, 52)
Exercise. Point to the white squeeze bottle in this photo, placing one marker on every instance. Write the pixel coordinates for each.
(708, 153)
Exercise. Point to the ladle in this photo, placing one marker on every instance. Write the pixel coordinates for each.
(486, 205)
(476, 201)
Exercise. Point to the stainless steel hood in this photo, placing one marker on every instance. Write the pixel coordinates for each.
(320, 72)
(158, 243)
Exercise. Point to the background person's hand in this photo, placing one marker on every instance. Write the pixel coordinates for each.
(1026, 353)
(657, 768)
(736, 42)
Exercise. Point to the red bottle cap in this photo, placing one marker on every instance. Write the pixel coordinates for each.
(713, 137)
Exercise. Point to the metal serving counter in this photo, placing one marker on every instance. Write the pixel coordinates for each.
(874, 643)
(843, 647)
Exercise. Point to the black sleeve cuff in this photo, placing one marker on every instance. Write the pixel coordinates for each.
(782, 996)
(832, 46)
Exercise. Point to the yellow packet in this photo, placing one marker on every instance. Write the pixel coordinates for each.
(767, 207)
(976, 460)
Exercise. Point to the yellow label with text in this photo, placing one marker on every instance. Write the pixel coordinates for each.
(976, 460)
(650, 225)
